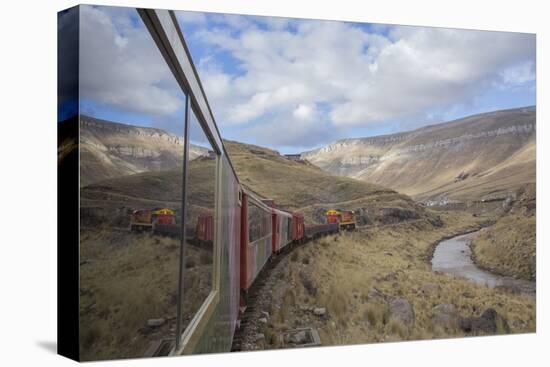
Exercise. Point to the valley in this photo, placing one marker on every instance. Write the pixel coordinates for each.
(409, 191)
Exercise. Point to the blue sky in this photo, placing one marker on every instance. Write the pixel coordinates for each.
(294, 85)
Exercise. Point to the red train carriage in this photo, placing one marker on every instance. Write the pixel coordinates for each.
(205, 228)
(316, 230)
(282, 229)
(298, 228)
(256, 237)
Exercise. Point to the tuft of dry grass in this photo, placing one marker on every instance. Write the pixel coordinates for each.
(377, 314)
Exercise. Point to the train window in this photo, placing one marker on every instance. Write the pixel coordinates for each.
(131, 164)
(259, 222)
(289, 228)
(199, 223)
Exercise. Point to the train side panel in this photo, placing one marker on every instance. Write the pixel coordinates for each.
(298, 230)
(283, 220)
(316, 230)
(205, 228)
(256, 238)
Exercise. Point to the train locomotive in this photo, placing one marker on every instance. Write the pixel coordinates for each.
(344, 218)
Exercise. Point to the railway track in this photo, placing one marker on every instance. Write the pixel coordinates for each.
(255, 290)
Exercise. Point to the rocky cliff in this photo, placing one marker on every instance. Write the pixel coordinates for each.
(110, 149)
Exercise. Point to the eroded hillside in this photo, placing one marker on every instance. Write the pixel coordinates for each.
(466, 159)
(109, 149)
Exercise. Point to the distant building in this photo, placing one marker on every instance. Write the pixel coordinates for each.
(294, 157)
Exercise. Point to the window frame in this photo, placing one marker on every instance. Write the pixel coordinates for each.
(165, 31)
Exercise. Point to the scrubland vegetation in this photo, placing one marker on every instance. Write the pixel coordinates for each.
(378, 285)
(127, 279)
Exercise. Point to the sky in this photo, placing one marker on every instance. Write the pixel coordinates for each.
(296, 84)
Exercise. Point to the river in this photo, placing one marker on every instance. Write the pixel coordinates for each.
(453, 256)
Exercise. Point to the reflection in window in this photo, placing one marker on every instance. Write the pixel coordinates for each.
(199, 223)
(131, 176)
(259, 222)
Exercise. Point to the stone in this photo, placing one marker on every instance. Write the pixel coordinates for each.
(387, 253)
(401, 310)
(445, 316)
(265, 314)
(263, 320)
(299, 337)
(487, 323)
(320, 311)
(155, 322)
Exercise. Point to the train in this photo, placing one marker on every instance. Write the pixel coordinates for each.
(243, 230)
(149, 219)
(265, 231)
(344, 218)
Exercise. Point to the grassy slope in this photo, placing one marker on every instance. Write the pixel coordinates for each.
(509, 246)
(306, 188)
(292, 184)
(340, 272)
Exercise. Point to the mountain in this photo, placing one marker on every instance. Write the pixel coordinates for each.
(300, 186)
(476, 157)
(128, 167)
(109, 149)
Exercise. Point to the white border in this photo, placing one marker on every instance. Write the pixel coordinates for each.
(28, 151)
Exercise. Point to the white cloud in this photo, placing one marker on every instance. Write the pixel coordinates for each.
(120, 66)
(305, 112)
(288, 131)
(365, 78)
(192, 17)
(275, 74)
(519, 74)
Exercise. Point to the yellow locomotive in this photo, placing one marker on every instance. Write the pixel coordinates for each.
(345, 218)
(147, 219)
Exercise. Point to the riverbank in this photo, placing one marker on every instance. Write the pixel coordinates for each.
(455, 256)
(374, 286)
(508, 248)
